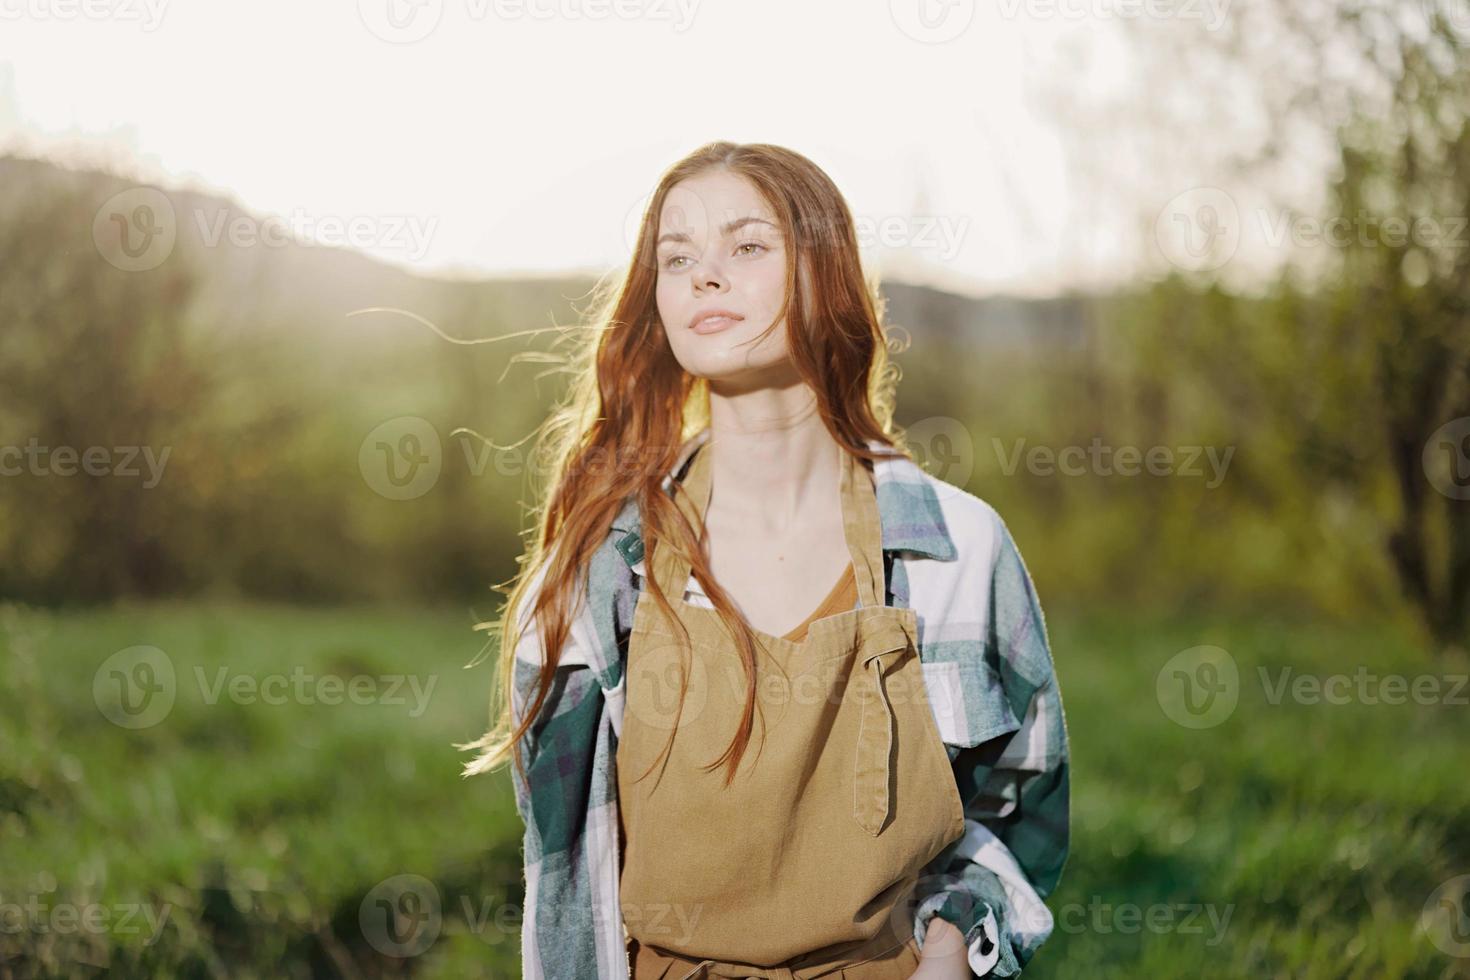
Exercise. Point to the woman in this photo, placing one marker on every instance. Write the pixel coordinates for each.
(734, 551)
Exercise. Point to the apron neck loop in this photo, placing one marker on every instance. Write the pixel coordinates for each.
(861, 527)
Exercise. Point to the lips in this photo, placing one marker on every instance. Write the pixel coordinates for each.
(713, 321)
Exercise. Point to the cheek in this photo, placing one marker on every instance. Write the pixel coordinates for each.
(768, 288)
(665, 298)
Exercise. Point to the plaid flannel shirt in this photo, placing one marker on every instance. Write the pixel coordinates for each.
(988, 672)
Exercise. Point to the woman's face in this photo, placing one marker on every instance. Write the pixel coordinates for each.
(719, 248)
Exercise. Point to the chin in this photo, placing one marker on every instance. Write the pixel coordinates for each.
(738, 369)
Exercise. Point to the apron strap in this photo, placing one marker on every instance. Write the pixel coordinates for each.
(861, 527)
(863, 530)
(691, 496)
(883, 641)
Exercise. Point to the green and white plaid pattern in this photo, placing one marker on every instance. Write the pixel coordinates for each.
(989, 676)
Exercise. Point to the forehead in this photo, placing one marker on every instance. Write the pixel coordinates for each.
(705, 203)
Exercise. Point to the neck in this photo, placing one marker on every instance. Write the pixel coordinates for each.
(772, 461)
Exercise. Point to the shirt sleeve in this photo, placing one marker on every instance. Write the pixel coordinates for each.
(558, 928)
(992, 882)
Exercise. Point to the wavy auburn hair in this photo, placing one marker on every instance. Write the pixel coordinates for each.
(631, 406)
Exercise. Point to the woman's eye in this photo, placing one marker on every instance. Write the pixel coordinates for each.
(672, 262)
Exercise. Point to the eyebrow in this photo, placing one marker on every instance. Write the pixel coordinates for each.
(726, 229)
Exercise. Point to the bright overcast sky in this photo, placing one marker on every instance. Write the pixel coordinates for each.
(521, 135)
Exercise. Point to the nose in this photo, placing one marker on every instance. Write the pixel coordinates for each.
(708, 276)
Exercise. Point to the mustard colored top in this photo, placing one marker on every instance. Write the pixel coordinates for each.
(844, 596)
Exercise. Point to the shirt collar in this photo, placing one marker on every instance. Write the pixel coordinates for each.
(908, 507)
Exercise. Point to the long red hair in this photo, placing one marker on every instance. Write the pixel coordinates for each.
(631, 406)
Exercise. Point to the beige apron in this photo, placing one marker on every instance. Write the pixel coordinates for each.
(805, 865)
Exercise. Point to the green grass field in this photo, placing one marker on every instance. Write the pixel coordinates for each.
(254, 828)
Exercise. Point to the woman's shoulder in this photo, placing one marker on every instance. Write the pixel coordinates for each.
(911, 496)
